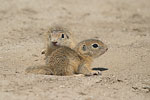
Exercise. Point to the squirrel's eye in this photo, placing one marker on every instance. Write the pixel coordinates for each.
(95, 45)
(62, 36)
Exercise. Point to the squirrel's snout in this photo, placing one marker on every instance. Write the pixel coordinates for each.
(54, 43)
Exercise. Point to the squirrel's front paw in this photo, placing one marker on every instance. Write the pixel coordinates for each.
(43, 51)
(94, 73)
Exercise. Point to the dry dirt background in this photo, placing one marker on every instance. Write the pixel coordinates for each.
(124, 25)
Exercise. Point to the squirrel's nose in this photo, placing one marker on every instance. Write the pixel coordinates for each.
(53, 40)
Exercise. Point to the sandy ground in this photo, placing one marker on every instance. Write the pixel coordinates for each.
(124, 25)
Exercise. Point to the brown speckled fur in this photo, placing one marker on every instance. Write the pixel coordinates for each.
(66, 61)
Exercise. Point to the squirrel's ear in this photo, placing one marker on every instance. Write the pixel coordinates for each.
(84, 48)
(49, 36)
(67, 36)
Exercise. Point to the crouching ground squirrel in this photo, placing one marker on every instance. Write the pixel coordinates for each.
(57, 35)
(66, 61)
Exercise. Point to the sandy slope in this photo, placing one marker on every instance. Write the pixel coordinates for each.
(124, 25)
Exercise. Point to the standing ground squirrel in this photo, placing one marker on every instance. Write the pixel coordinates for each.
(57, 35)
(66, 61)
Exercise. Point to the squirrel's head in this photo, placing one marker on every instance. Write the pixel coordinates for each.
(91, 47)
(59, 36)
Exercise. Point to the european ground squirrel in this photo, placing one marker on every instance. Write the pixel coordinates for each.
(66, 61)
(57, 35)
